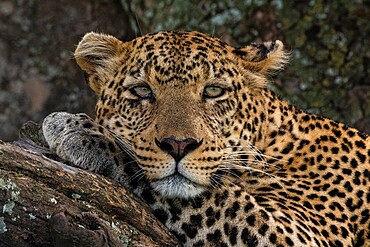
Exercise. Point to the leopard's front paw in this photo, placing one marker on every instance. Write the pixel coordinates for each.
(59, 125)
(76, 138)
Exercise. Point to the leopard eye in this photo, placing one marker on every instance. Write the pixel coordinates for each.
(213, 92)
(142, 91)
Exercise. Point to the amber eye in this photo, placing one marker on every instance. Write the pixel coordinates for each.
(142, 91)
(213, 92)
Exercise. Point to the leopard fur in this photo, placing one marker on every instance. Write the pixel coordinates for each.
(186, 122)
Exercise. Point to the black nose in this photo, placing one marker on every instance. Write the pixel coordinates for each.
(178, 148)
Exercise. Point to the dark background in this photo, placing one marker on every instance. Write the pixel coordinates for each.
(329, 40)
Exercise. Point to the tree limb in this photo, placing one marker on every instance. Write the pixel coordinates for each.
(47, 203)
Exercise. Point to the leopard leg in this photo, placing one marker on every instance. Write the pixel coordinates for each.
(87, 145)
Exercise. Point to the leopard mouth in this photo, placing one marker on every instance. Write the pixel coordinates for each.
(178, 186)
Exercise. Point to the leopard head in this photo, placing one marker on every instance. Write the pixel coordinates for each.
(178, 101)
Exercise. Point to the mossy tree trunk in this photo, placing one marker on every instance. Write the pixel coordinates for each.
(47, 203)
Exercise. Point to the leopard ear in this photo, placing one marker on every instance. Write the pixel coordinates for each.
(97, 55)
(263, 58)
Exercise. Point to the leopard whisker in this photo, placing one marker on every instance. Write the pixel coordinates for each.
(137, 175)
(223, 178)
(216, 184)
(123, 144)
(229, 171)
(129, 162)
(252, 150)
(247, 160)
(242, 153)
(251, 169)
(251, 162)
(260, 156)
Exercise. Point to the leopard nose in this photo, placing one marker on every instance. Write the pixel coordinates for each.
(177, 148)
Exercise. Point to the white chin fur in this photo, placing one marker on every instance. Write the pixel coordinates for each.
(177, 186)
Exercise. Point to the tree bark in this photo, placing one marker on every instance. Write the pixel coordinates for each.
(47, 203)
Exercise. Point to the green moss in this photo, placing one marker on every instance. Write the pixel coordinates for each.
(12, 190)
(8, 207)
(76, 196)
(3, 228)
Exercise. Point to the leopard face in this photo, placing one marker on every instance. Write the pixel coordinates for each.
(179, 100)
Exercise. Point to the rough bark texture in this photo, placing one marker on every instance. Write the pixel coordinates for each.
(47, 203)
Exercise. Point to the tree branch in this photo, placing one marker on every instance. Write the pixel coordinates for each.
(47, 203)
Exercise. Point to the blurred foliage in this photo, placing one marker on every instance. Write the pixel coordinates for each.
(38, 74)
(329, 40)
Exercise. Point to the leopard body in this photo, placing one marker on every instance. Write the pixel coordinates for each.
(187, 123)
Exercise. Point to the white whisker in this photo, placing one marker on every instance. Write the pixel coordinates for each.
(123, 144)
(129, 162)
(137, 175)
(251, 170)
(225, 179)
(251, 150)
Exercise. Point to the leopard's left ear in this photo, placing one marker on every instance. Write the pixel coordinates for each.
(98, 56)
(263, 58)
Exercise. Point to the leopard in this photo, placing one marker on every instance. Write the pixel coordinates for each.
(190, 125)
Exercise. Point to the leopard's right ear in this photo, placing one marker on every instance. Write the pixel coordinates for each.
(98, 55)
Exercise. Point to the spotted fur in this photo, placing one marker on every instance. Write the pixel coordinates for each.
(219, 158)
